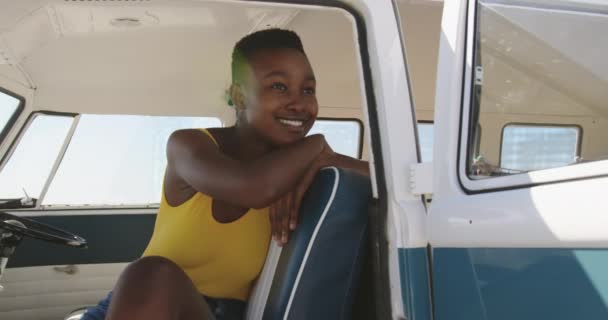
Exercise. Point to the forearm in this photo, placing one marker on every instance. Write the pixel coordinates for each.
(342, 161)
(280, 170)
(253, 183)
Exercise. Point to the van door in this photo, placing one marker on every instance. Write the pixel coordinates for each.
(518, 220)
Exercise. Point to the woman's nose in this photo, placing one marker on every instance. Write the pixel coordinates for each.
(297, 102)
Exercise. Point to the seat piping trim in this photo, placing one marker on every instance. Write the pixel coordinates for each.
(312, 241)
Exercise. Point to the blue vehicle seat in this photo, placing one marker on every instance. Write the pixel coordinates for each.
(316, 274)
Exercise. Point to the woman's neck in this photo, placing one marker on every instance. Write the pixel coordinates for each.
(247, 144)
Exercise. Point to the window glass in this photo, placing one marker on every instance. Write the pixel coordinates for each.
(30, 164)
(526, 147)
(425, 140)
(120, 160)
(343, 136)
(8, 107)
(117, 160)
(538, 61)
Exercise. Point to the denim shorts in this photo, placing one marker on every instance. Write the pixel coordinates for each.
(222, 309)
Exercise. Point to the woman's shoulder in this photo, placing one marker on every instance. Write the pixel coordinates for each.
(196, 138)
(201, 139)
(216, 131)
(219, 135)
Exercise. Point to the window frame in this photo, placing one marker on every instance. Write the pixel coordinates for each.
(68, 207)
(15, 143)
(40, 207)
(579, 137)
(13, 119)
(582, 171)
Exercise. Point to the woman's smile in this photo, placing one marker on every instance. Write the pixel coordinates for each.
(292, 123)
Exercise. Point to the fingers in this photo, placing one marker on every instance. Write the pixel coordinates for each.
(280, 214)
(294, 210)
(284, 213)
(301, 191)
(285, 217)
(272, 214)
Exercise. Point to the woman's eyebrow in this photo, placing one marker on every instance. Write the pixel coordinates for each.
(279, 73)
(275, 74)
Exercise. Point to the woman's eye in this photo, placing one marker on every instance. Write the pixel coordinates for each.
(309, 91)
(279, 86)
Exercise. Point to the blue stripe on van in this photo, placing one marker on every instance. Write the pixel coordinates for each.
(503, 283)
(413, 266)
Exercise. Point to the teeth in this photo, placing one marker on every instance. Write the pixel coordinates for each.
(293, 123)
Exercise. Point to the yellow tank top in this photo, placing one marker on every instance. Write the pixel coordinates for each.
(222, 259)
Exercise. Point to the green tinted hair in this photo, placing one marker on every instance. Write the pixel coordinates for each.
(245, 48)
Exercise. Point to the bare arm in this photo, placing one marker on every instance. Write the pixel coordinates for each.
(194, 158)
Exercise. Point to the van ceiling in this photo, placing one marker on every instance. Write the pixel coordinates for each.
(161, 57)
(172, 57)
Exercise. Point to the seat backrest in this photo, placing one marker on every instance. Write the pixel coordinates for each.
(315, 275)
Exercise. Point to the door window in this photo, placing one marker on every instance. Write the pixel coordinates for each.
(539, 72)
(31, 162)
(117, 160)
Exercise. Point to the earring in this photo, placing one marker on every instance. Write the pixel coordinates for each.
(236, 97)
(239, 104)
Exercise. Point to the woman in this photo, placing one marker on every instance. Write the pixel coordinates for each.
(228, 190)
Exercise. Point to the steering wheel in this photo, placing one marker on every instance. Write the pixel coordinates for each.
(30, 228)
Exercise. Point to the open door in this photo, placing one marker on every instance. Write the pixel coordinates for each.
(518, 219)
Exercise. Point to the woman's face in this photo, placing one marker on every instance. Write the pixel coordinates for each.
(280, 99)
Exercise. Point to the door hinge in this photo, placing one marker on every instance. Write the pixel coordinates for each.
(421, 178)
(479, 75)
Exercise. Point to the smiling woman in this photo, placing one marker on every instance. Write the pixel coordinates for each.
(227, 181)
(236, 183)
(263, 74)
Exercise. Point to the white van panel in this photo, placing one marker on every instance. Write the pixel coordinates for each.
(40, 293)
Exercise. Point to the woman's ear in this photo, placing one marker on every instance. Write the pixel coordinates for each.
(236, 96)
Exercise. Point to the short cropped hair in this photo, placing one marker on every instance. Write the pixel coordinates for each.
(273, 38)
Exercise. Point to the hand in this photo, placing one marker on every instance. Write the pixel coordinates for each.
(284, 212)
(325, 158)
(281, 213)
